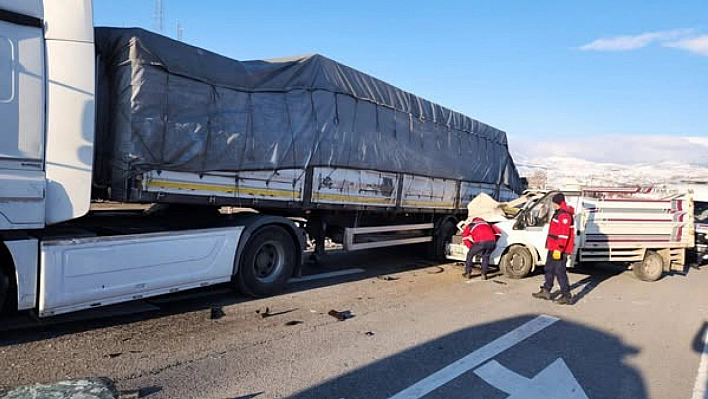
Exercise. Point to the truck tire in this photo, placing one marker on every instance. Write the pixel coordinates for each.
(441, 239)
(4, 290)
(517, 262)
(267, 262)
(651, 268)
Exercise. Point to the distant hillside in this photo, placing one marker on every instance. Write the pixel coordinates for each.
(561, 171)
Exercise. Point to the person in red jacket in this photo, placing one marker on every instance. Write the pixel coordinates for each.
(481, 238)
(560, 241)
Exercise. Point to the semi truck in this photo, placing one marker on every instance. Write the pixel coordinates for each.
(301, 145)
(645, 231)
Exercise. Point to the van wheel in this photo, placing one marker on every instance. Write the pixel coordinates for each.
(517, 262)
(267, 262)
(651, 268)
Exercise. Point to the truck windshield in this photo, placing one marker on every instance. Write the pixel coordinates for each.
(701, 210)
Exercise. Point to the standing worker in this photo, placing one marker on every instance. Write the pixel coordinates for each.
(559, 244)
(480, 238)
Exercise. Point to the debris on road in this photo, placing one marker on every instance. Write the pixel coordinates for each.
(293, 322)
(133, 394)
(265, 313)
(387, 278)
(341, 316)
(217, 312)
(97, 388)
(369, 333)
(113, 355)
(500, 282)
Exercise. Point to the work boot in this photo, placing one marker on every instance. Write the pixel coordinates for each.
(565, 300)
(542, 294)
(484, 276)
(466, 275)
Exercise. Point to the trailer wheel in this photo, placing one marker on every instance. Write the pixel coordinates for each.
(651, 268)
(517, 262)
(440, 241)
(267, 262)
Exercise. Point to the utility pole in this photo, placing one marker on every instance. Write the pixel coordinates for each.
(159, 16)
(180, 31)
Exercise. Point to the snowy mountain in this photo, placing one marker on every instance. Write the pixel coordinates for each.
(566, 170)
(680, 162)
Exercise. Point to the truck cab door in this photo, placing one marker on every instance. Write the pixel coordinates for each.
(22, 100)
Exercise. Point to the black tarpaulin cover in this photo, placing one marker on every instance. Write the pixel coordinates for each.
(165, 105)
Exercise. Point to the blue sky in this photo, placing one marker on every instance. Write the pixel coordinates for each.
(590, 71)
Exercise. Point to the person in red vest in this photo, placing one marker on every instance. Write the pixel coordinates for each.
(560, 241)
(481, 239)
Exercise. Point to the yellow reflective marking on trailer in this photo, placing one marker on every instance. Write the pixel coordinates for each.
(223, 189)
(350, 198)
(433, 204)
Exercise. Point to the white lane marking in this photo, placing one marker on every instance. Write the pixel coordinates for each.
(474, 359)
(699, 389)
(325, 275)
(554, 382)
(501, 377)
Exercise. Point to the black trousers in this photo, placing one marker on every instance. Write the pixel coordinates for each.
(483, 248)
(556, 269)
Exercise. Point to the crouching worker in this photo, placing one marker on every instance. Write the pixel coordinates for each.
(480, 238)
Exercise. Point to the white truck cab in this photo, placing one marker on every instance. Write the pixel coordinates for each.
(46, 63)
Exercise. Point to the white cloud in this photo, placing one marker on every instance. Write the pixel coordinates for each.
(698, 45)
(634, 42)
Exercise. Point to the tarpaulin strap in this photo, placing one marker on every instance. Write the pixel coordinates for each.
(165, 121)
(212, 111)
(336, 109)
(378, 126)
(318, 139)
(292, 137)
(395, 124)
(355, 113)
(249, 129)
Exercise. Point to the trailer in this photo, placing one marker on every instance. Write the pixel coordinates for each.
(648, 233)
(304, 146)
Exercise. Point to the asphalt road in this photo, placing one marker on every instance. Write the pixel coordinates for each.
(415, 332)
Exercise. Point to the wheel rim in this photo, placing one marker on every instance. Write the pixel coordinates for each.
(652, 266)
(269, 261)
(517, 263)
